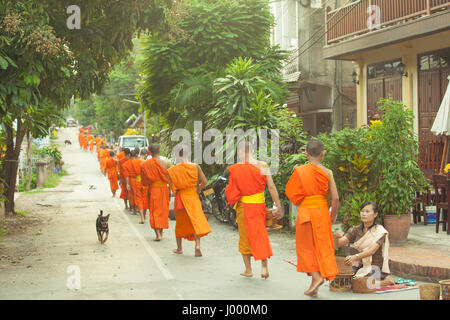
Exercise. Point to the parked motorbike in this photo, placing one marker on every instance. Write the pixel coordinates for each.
(215, 202)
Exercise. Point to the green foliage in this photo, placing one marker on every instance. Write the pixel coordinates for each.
(52, 151)
(348, 156)
(292, 138)
(394, 155)
(33, 184)
(182, 70)
(376, 163)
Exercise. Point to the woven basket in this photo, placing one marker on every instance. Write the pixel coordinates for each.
(342, 267)
(430, 291)
(445, 289)
(359, 285)
(342, 283)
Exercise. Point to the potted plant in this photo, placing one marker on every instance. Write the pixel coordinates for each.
(394, 158)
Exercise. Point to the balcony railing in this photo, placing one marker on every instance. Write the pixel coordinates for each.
(353, 19)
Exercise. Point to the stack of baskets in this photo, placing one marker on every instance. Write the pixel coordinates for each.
(445, 289)
(429, 291)
(343, 281)
(359, 285)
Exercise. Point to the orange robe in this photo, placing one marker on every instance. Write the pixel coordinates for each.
(128, 171)
(91, 145)
(80, 139)
(85, 143)
(246, 179)
(308, 187)
(189, 215)
(113, 173)
(123, 182)
(136, 184)
(104, 155)
(155, 177)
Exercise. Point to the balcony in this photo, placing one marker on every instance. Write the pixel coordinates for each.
(408, 19)
(352, 20)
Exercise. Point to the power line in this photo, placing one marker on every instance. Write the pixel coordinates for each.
(290, 61)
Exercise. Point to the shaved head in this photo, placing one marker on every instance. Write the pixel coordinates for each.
(154, 149)
(315, 148)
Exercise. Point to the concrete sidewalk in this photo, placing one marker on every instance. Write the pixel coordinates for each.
(425, 256)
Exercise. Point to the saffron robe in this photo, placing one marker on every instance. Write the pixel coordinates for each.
(85, 143)
(130, 173)
(122, 177)
(308, 187)
(246, 179)
(155, 177)
(136, 184)
(104, 155)
(113, 173)
(189, 215)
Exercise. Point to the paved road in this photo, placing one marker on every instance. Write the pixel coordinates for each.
(132, 266)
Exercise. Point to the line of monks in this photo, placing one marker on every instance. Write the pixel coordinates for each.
(145, 186)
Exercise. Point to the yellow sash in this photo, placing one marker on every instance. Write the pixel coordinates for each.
(188, 191)
(317, 201)
(158, 184)
(138, 178)
(254, 198)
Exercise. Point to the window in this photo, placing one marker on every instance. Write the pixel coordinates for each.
(434, 61)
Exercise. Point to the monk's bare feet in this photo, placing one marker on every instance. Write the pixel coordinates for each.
(157, 239)
(314, 289)
(198, 253)
(264, 272)
(247, 274)
(177, 251)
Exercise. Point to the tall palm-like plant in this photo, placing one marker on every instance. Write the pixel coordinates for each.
(236, 91)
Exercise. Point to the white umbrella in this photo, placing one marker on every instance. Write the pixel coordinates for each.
(441, 125)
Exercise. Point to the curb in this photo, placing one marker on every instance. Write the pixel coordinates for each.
(419, 272)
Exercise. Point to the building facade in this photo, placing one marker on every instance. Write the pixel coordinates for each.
(322, 91)
(399, 48)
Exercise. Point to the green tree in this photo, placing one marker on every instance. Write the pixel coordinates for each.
(179, 72)
(44, 63)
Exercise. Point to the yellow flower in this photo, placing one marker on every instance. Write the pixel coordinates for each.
(342, 169)
(447, 167)
(376, 122)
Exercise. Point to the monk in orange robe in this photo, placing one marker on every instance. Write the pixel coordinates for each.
(130, 175)
(186, 180)
(104, 155)
(155, 176)
(247, 182)
(144, 189)
(80, 137)
(112, 171)
(123, 157)
(85, 142)
(308, 187)
(136, 185)
(91, 143)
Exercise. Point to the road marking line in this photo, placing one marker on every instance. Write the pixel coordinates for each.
(166, 273)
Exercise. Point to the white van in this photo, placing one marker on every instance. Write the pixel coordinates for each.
(132, 142)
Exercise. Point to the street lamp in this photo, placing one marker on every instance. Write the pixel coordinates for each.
(355, 77)
(401, 69)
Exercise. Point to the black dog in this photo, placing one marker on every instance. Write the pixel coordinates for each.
(67, 142)
(102, 227)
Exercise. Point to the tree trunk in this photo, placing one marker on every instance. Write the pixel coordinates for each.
(30, 168)
(11, 164)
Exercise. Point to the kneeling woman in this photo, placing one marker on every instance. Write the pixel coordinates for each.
(372, 242)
